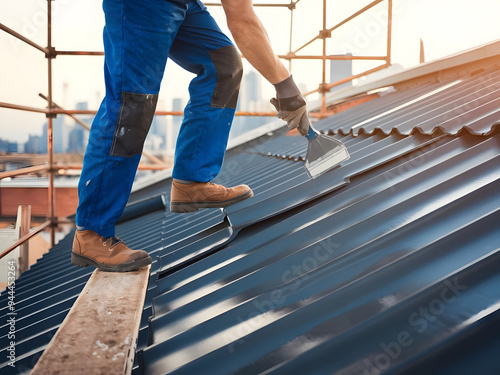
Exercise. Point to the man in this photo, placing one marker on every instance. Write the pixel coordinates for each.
(138, 38)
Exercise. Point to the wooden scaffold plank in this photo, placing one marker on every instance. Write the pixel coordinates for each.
(99, 334)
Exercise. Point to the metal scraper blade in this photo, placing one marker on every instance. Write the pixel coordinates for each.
(323, 154)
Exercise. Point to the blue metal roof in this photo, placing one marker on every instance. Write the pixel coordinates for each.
(308, 281)
(387, 264)
(471, 103)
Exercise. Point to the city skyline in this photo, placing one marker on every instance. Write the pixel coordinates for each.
(71, 137)
(23, 75)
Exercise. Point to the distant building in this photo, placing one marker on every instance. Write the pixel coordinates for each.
(77, 137)
(82, 106)
(12, 147)
(58, 134)
(66, 138)
(173, 125)
(9, 147)
(4, 145)
(43, 140)
(251, 87)
(177, 106)
(250, 100)
(157, 134)
(340, 69)
(33, 145)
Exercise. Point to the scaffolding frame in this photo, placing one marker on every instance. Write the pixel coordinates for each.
(53, 109)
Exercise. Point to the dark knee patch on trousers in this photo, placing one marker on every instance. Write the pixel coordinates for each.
(134, 120)
(227, 63)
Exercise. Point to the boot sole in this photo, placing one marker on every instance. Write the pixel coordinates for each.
(83, 261)
(184, 207)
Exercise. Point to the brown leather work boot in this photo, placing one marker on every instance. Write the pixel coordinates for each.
(107, 254)
(190, 197)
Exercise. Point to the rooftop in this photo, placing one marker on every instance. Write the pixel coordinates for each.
(387, 264)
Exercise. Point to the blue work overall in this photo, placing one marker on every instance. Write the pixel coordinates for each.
(139, 36)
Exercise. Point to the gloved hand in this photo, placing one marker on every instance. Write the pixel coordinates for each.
(291, 106)
(294, 112)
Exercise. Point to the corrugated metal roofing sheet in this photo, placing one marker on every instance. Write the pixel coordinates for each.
(374, 252)
(470, 103)
(270, 179)
(45, 293)
(386, 264)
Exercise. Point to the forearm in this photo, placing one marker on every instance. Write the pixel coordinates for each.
(252, 40)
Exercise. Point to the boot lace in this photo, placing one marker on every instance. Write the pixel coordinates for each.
(111, 241)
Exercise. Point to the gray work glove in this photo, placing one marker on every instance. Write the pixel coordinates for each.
(294, 112)
(291, 106)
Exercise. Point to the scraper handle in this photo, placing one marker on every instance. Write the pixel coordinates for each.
(311, 133)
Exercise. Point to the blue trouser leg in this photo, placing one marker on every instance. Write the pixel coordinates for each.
(201, 48)
(138, 38)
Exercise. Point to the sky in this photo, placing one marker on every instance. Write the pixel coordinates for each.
(445, 26)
